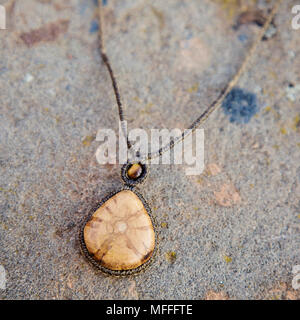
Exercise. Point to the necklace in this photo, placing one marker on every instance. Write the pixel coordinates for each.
(118, 235)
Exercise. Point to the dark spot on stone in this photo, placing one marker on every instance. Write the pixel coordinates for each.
(250, 17)
(104, 2)
(70, 226)
(243, 37)
(94, 26)
(240, 105)
(46, 33)
(61, 231)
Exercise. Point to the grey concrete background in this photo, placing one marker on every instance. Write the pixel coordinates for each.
(231, 233)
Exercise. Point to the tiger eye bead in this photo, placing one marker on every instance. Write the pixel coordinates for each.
(135, 171)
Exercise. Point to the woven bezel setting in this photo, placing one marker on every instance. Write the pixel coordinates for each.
(96, 263)
(133, 182)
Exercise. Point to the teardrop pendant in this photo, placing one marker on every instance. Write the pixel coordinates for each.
(118, 237)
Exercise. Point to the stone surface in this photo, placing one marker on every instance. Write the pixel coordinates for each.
(120, 233)
(50, 176)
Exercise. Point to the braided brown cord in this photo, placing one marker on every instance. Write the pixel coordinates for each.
(216, 104)
(111, 73)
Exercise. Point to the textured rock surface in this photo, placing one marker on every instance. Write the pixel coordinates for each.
(120, 233)
(233, 231)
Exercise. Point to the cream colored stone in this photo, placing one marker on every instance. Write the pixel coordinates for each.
(120, 234)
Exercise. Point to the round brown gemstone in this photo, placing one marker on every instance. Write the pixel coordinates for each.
(135, 171)
(120, 234)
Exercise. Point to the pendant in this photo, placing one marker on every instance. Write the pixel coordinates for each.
(118, 236)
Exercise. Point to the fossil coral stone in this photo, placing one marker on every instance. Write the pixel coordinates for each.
(120, 233)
